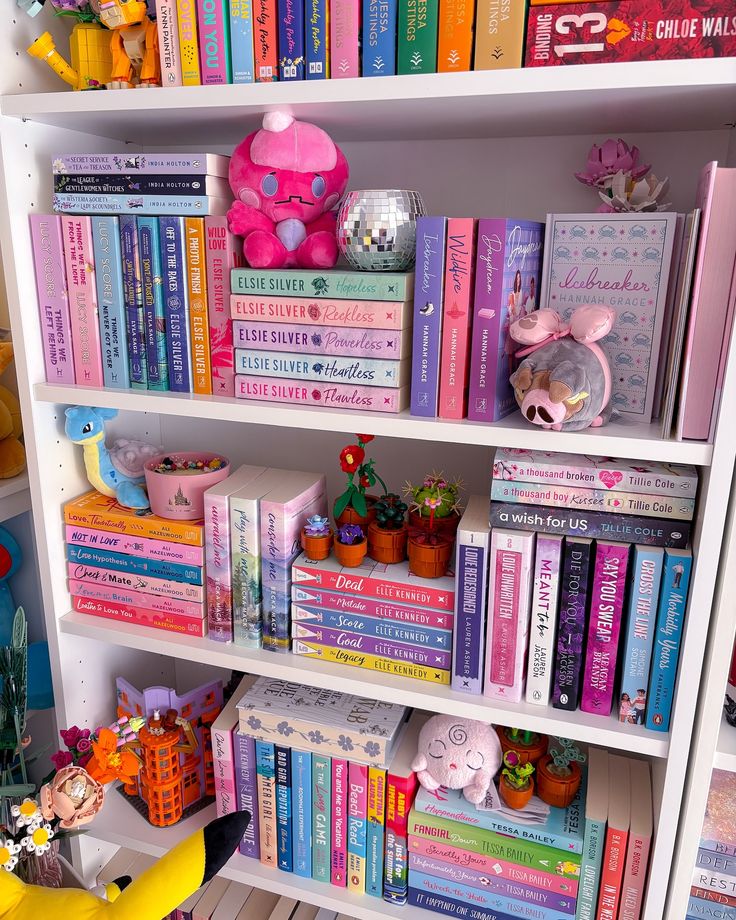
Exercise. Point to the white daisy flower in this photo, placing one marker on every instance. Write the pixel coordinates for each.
(9, 854)
(27, 813)
(39, 839)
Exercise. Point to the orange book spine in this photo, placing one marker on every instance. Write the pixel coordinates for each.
(499, 34)
(265, 41)
(455, 40)
(199, 326)
(614, 857)
(103, 513)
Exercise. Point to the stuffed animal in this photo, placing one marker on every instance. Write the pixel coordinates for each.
(151, 896)
(458, 754)
(118, 471)
(564, 380)
(287, 179)
(12, 452)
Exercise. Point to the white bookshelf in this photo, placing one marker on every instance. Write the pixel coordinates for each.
(477, 143)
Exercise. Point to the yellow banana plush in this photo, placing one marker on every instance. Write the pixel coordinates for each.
(151, 896)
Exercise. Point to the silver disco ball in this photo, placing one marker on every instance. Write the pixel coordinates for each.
(377, 228)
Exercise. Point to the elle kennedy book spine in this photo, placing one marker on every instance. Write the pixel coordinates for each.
(576, 566)
(53, 301)
(543, 620)
(457, 312)
(428, 290)
(291, 40)
(604, 626)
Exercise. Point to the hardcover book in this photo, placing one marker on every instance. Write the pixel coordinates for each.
(317, 39)
(322, 340)
(499, 35)
(428, 292)
(214, 34)
(176, 303)
(329, 284)
(53, 300)
(417, 36)
(457, 315)
(379, 37)
(543, 619)
(82, 295)
(133, 298)
(241, 41)
(291, 39)
(199, 330)
(576, 565)
(109, 278)
(617, 835)
(320, 601)
(154, 317)
(223, 252)
(338, 313)
(596, 817)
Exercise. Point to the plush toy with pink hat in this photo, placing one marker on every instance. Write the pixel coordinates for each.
(287, 179)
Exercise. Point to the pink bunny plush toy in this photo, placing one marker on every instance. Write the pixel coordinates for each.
(287, 179)
(458, 754)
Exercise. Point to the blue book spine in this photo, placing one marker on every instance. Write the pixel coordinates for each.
(301, 806)
(321, 817)
(700, 909)
(379, 37)
(667, 637)
(109, 278)
(283, 808)
(291, 40)
(246, 791)
(590, 869)
(374, 626)
(316, 39)
(241, 41)
(454, 908)
(395, 868)
(133, 299)
(374, 859)
(173, 258)
(122, 562)
(646, 577)
(154, 321)
(427, 334)
(158, 205)
(546, 904)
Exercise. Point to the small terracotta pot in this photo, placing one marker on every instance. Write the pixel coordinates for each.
(447, 526)
(350, 555)
(316, 548)
(428, 561)
(515, 798)
(351, 516)
(554, 789)
(387, 546)
(527, 753)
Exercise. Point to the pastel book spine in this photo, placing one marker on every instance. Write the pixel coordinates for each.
(376, 816)
(92, 509)
(499, 39)
(246, 787)
(543, 620)
(172, 164)
(85, 322)
(324, 311)
(457, 310)
(245, 544)
(339, 852)
(265, 41)
(486, 326)
(715, 881)
(378, 663)
(571, 627)
(291, 39)
(322, 340)
(301, 775)
(158, 204)
(156, 587)
(223, 254)
(379, 37)
(720, 900)
(329, 395)
(189, 610)
(321, 817)
(224, 764)
(366, 371)
(344, 38)
(472, 560)
(357, 826)
(604, 626)
(168, 42)
(320, 605)
(171, 622)
(667, 638)
(156, 568)
(428, 291)
(219, 574)
(382, 648)
(266, 780)
(53, 300)
(133, 295)
(214, 41)
(698, 907)
(417, 36)
(196, 280)
(543, 906)
(439, 639)
(337, 284)
(634, 880)
(154, 320)
(283, 808)
(317, 39)
(715, 862)
(242, 59)
(109, 278)
(186, 13)
(173, 257)
(455, 42)
(509, 597)
(401, 790)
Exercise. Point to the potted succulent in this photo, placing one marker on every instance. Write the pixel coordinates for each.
(351, 545)
(388, 533)
(528, 746)
(559, 774)
(317, 538)
(516, 785)
(435, 501)
(353, 506)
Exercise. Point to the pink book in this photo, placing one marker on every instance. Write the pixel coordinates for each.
(357, 826)
(160, 586)
(509, 602)
(604, 626)
(136, 546)
(458, 317)
(640, 838)
(711, 313)
(53, 301)
(344, 29)
(214, 41)
(168, 42)
(189, 610)
(223, 254)
(339, 857)
(724, 353)
(171, 622)
(85, 321)
(223, 761)
(356, 314)
(329, 395)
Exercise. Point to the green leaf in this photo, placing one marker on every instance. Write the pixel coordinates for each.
(359, 504)
(19, 789)
(341, 503)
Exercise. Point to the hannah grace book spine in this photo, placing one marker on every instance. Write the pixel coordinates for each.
(173, 257)
(576, 565)
(214, 41)
(357, 821)
(83, 308)
(154, 319)
(168, 42)
(417, 36)
(223, 253)
(457, 315)
(199, 330)
(242, 59)
(317, 39)
(283, 808)
(246, 788)
(291, 40)
(133, 296)
(543, 620)
(53, 300)
(301, 812)
(428, 290)
(321, 817)
(379, 37)
(109, 277)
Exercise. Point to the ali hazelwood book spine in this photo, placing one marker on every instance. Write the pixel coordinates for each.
(543, 621)
(283, 808)
(417, 36)
(425, 371)
(576, 568)
(133, 299)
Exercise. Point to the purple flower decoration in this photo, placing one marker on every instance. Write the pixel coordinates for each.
(316, 737)
(283, 728)
(345, 743)
(254, 723)
(608, 159)
(350, 534)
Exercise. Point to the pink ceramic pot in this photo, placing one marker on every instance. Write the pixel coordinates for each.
(179, 495)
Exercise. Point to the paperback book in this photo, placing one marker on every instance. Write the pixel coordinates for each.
(53, 300)
(331, 284)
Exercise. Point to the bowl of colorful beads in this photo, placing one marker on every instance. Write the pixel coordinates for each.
(176, 483)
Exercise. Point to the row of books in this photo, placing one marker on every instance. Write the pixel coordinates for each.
(713, 890)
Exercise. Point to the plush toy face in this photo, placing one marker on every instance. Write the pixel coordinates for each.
(85, 424)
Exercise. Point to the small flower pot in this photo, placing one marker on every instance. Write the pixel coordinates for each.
(527, 753)
(388, 546)
(554, 788)
(351, 516)
(350, 555)
(447, 526)
(429, 560)
(513, 797)
(317, 547)
(179, 494)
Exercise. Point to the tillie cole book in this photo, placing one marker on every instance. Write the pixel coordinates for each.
(428, 291)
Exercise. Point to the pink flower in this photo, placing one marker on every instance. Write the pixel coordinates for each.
(609, 158)
(70, 736)
(83, 745)
(61, 759)
(73, 796)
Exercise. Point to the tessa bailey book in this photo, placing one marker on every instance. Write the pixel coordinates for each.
(430, 267)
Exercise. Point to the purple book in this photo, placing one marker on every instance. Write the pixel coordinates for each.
(576, 566)
(473, 545)
(246, 796)
(371, 645)
(508, 266)
(176, 304)
(428, 288)
(53, 302)
(606, 606)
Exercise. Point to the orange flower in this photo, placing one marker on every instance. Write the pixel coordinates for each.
(108, 763)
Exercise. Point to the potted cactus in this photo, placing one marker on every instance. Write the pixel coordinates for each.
(388, 533)
(435, 504)
(559, 773)
(353, 506)
(528, 746)
(317, 538)
(350, 545)
(516, 785)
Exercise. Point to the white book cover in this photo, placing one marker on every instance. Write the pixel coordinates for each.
(258, 906)
(284, 909)
(232, 901)
(543, 619)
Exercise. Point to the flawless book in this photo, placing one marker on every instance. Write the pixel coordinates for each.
(428, 293)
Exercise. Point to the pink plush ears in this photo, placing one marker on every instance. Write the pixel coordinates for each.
(537, 326)
(589, 324)
(285, 143)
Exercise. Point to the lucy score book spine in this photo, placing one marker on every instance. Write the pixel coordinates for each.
(428, 290)
(571, 629)
(543, 620)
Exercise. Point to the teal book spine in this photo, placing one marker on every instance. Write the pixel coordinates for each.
(154, 321)
(241, 41)
(110, 299)
(590, 869)
(321, 817)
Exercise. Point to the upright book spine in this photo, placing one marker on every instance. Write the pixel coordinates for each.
(543, 622)
(612, 871)
(246, 785)
(455, 42)
(188, 43)
(417, 36)
(265, 41)
(499, 35)
(486, 319)
(214, 41)
(173, 253)
(317, 39)
(283, 808)
(439, 639)
(291, 39)
(109, 277)
(219, 581)
(85, 321)
(375, 831)
(338, 859)
(321, 817)
(154, 320)
(266, 775)
(133, 296)
(156, 568)
(197, 291)
(224, 769)
(470, 610)
(168, 42)
(457, 314)
(336, 313)
(400, 793)
(245, 546)
(301, 807)
(571, 627)
(379, 37)
(425, 375)
(223, 254)
(357, 820)
(390, 400)
(344, 38)
(378, 646)
(241, 41)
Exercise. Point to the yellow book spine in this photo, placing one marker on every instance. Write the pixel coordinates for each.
(499, 34)
(186, 14)
(361, 660)
(199, 326)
